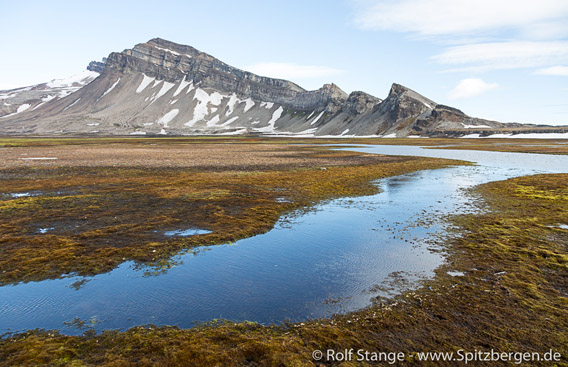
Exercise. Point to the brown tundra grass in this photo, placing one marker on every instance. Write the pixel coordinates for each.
(512, 298)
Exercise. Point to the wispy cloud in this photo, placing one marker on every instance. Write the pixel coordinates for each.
(443, 17)
(472, 87)
(504, 55)
(554, 70)
(291, 70)
(486, 34)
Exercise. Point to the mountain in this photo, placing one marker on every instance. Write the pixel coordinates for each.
(18, 100)
(160, 87)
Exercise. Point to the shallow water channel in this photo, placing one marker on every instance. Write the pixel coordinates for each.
(334, 258)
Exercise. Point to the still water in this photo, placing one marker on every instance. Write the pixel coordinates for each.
(334, 258)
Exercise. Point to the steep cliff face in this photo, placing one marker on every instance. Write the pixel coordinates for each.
(160, 87)
(171, 62)
(400, 109)
(403, 104)
(359, 103)
(97, 66)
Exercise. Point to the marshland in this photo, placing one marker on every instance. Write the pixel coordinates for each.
(257, 251)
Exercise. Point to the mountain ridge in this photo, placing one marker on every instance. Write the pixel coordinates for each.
(161, 87)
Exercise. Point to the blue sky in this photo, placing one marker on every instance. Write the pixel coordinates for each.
(497, 59)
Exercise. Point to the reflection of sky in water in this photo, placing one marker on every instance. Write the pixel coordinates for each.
(519, 162)
(338, 252)
(186, 232)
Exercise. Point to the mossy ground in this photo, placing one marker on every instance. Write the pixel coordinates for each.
(520, 145)
(95, 217)
(512, 297)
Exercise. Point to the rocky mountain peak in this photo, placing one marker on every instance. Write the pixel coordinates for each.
(360, 102)
(161, 87)
(401, 109)
(97, 66)
(397, 89)
(399, 92)
(171, 62)
(333, 89)
(331, 97)
(172, 47)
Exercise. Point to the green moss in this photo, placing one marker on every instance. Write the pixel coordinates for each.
(102, 216)
(515, 260)
(512, 298)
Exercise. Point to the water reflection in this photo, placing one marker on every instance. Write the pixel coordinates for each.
(333, 259)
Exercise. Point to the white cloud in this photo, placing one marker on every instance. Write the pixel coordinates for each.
(450, 17)
(489, 34)
(546, 30)
(553, 70)
(504, 55)
(470, 88)
(291, 71)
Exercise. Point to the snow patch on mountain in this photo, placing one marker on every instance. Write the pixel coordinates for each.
(167, 50)
(213, 121)
(275, 116)
(202, 109)
(111, 88)
(172, 52)
(476, 126)
(145, 82)
(72, 104)
(519, 136)
(229, 121)
(165, 88)
(249, 103)
(75, 80)
(317, 118)
(164, 120)
(20, 109)
(182, 85)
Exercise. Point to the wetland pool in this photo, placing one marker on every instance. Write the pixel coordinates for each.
(334, 258)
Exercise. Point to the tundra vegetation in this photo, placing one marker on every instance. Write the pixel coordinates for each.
(83, 209)
(519, 145)
(511, 257)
